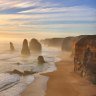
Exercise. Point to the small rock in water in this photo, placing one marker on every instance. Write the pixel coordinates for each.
(16, 71)
(18, 63)
(41, 60)
(25, 49)
(12, 46)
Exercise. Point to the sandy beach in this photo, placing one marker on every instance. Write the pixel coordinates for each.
(64, 82)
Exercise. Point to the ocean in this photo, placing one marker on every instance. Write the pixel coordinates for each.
(14, 84)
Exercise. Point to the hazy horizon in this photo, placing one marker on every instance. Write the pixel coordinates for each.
(19, 36)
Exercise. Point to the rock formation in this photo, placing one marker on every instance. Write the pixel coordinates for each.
(53, 42)
(41, 60)
(25, 49)
(69, 43)
(25, 73)
(86, 48)
(65, 44)
(12, 46)
(35, 45)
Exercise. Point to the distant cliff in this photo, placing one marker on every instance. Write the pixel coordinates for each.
(66, 44)
(69, 42)
(53, 42)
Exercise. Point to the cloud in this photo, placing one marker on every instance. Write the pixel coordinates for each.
(38, 16)
(7, 4)
(59, 9)
(23, 4)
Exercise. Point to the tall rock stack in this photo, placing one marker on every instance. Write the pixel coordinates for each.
(12, 46)
(35, 45)
(25, 49)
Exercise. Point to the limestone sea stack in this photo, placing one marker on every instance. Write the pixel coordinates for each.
(12, 46)
(41, 60)
(25, 49)
(35, 45)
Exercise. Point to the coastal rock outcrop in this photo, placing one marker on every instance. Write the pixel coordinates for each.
(25, 73)
(35, 45)
(67, 44)
(86, 48)
(12, 46)
(53, 42)
(25, 49)
(41, 60)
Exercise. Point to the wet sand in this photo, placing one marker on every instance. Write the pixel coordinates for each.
(37, 88)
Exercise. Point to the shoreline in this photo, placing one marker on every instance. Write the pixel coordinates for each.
(37, 87)
(55, 83)
(63, 82)
(40, 81)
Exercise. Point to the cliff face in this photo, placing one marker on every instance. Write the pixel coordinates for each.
(85, 54)
(35, 45)
(69, 42)
(53, 42)
(25, 49)
(62, 43)
(85, 43)
(65, 44)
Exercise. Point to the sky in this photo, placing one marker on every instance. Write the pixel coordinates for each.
(56, 17)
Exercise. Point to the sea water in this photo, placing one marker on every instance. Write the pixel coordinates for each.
(13, 84)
